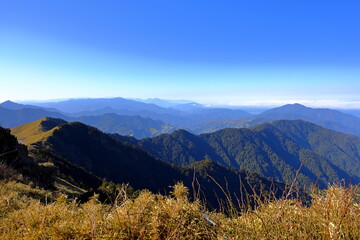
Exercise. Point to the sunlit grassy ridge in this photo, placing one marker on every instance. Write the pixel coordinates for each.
(36, 131)
(28, 213)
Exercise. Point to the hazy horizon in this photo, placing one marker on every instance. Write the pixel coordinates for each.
(267, 105)
(231, 53)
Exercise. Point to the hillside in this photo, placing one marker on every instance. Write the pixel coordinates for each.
(100, 154)
(37, 130)
(42, 167)
(16, 164)
(66, 144)
(271, 150)
(340, 149)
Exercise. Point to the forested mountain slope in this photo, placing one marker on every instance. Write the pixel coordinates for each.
(274, 150)
(100, 154)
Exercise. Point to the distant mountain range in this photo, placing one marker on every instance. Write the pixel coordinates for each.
(354, 112)
(16, 106)
(13, 114)
(327, 118)
(165, 103)
(14, 117)
(126, 125)
(93, 104)
(146, 119)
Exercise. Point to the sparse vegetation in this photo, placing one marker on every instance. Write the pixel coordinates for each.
(30, 213)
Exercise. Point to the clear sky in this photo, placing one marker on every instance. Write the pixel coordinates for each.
(218, 52)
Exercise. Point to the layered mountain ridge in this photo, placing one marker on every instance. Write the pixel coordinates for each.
(274, 150)
(270, 147)
(146, 119)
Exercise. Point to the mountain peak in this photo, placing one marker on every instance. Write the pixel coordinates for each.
(11, 105)
(7, 102)
(295, 108)
(294, 105)
(181, 132)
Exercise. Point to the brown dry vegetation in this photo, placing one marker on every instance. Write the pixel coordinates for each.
(30, 213)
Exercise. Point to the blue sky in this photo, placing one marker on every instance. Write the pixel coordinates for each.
(213, 52)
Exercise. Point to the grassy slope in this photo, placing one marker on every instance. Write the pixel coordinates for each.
(64, 175)
(333, 214)
(36, 131)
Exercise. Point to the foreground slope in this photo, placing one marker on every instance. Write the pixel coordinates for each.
(16, 164)
(32, 214)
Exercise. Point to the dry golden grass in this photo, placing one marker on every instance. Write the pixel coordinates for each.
(31, 132)
(25, 214)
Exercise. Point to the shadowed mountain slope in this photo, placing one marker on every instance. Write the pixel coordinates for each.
(341, 149)
(272, 150)
(100, 154)
(15, 162)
